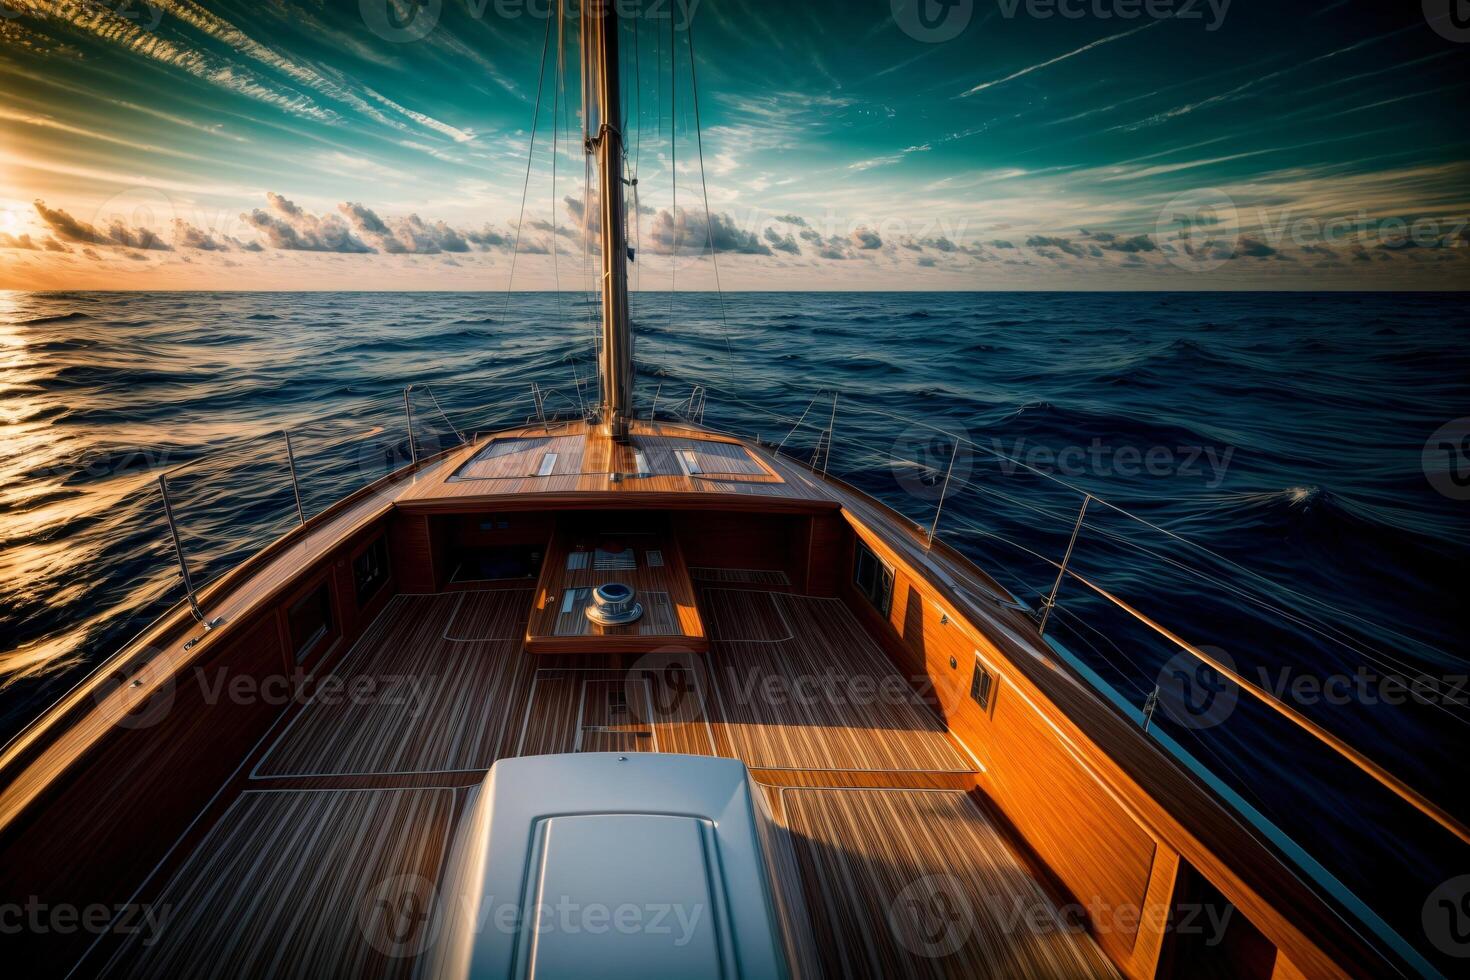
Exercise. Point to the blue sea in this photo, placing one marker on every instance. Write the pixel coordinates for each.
(1263, 466)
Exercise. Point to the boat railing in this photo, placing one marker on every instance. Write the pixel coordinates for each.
(1068, 550)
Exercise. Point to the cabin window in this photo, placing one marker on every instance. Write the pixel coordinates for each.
(873, 579)
(370, 571)
(311, 621)
(981, 683)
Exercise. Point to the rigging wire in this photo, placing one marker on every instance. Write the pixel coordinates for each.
(673, 165)
(530, 158)
(708, 221)
(558, 109)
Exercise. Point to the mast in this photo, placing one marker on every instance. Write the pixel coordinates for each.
(604, 140)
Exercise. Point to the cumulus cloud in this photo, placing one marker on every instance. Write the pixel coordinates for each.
(782, 243)
(288, 227)
(1046, 241)
(865, 239)
(399, 236)
(70, 229)
(690, 234)
(792, 219)
(17, 241)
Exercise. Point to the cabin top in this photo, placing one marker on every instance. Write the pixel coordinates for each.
(575, 463)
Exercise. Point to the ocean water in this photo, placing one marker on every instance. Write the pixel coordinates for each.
(1259, 462)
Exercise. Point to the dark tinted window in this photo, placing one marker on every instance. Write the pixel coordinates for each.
(980, 685)
(873, 579)
(311, 621)
(370, 570)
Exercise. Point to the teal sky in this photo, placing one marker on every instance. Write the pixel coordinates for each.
(287, 143)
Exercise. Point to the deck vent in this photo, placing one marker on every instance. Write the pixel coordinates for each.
(614, 604)
(654, 557)
(615, 561)
(980, 686)
(548, 465)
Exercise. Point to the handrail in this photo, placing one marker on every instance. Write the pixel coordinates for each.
(1385, 778)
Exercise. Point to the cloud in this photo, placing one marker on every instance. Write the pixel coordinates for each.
(865, 239)
(690, 234)
(1045, 241)
(17, 241)
(782, 243)
(792, 219)
(71, 229)
(400, 236)
(289, 228)
(927, 261)
(1253, 248)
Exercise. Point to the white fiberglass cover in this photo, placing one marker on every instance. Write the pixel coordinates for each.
(641, 866)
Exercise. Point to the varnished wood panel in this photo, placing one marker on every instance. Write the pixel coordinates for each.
(659, 577)
(816, 699)
(301, 884)
(915, 884)
(1094, 845)
(432, 704)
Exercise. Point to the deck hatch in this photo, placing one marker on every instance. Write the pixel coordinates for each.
(548, 465)
(688, 462)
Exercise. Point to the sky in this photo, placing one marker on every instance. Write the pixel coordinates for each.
(833, 144)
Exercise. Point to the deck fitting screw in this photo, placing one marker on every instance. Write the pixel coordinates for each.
(953, 663)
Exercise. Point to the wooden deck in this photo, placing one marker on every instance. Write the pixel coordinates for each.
(355, 798)
(948, 897)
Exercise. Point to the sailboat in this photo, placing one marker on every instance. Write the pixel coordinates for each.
(624, 695)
